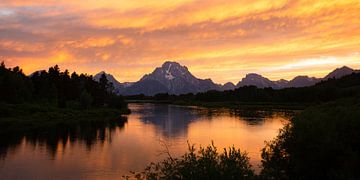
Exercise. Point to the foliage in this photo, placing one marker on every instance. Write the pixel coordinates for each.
(15, 87)
(117, 102)
(56, 87)
(85, 100)
(207, 163)
(48, 99)
(323, 142)
(30, 118)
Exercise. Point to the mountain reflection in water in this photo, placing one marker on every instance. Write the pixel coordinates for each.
(108, 151)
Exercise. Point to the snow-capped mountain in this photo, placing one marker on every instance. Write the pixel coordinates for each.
(174, 78)
(171, 78)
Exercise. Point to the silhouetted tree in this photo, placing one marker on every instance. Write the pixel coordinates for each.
(56, 87)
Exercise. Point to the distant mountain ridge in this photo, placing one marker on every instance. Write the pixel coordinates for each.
(174, 78)
(257, 80)
(340, 72)
(299, 81)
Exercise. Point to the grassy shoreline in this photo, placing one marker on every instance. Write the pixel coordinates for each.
(26, 118)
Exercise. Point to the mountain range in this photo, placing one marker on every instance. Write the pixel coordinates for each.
(174, 78)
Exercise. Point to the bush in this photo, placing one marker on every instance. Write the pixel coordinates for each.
(206, 164)
(323, 142)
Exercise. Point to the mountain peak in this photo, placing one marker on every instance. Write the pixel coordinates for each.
(345, 67)
(109, 77)
(166, 64)
(257, 80)
(253, 75)
(340, 72)
(170, 71)
(172, 78)
(228, 86)
(302, 81)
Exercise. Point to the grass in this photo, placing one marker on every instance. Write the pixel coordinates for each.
(24, 118)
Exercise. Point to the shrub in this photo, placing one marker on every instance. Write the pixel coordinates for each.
(207, 163)
(323, 142)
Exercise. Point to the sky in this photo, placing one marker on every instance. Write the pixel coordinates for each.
(218, 39)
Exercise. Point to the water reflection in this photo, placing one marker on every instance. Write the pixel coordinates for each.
(170, 121)
(174, 120)
(59, 137)
(108, 151)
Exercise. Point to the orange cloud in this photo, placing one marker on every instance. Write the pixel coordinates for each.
(223, 39)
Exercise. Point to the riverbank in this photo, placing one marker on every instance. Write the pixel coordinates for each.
(321, 142)
(25, 118)
(231, 105)
(244, 105)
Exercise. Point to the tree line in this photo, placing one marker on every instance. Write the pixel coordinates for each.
(57, 87)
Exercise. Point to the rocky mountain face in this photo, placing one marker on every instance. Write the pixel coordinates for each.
(174, 78)
(257, 80)
(228, 86)
(262, 82)
(110, 78)
(281, 83)
(299, 81)
(340, 72)
(170, 78)
(302, 81)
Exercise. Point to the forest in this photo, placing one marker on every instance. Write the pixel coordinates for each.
(47, 99)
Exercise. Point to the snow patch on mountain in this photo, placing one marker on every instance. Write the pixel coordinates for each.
(174, 79)
(168, 74)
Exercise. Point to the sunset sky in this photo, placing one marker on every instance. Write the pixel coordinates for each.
(223, 39)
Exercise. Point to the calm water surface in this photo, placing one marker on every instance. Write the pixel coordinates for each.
(99, 152)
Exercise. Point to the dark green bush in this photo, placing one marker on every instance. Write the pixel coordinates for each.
(323, 142)
(207, 163)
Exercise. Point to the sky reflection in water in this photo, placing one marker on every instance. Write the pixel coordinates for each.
(97, 152)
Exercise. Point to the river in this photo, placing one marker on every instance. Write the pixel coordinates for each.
(150, 131)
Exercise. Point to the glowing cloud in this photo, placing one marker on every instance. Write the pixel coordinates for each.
(222, 39)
